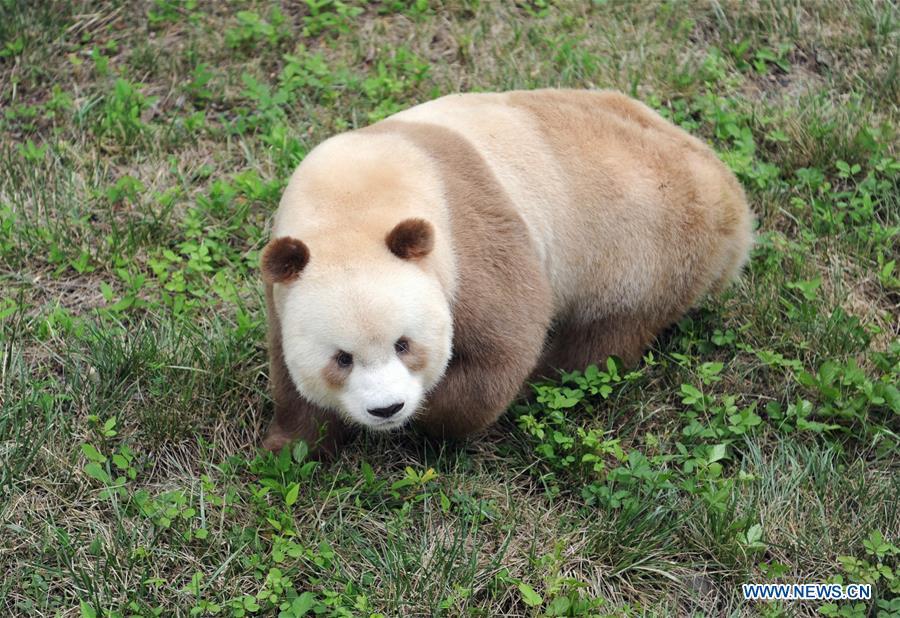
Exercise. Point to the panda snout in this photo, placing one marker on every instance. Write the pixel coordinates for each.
(387, 411)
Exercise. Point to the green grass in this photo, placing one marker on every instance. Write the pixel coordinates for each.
(143, 147)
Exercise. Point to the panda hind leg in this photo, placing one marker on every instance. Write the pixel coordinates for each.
(572, 346)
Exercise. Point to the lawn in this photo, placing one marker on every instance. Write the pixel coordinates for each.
(143, 148)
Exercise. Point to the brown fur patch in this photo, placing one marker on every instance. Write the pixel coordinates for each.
(573, 345)
(411, 239)
(416, 358)
(283, 260)
(503, 304)
(335, 375)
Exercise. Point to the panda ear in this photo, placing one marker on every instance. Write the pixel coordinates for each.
(411, 239)
(283, 260)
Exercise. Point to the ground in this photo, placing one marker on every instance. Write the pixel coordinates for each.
(143, 148)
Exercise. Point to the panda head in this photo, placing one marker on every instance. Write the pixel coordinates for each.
(367, 336)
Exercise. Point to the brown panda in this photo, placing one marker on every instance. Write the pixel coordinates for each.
(424, 268)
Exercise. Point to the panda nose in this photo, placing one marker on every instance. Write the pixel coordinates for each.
(387, 411)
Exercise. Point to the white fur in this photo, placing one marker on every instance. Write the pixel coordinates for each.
(378, 385)
(364, 312)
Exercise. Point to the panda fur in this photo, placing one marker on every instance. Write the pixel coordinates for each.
(462, 247)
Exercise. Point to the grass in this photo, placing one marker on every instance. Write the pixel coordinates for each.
(143, 147)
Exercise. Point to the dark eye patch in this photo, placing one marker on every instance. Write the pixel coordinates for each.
(401, 346)
(344, 359)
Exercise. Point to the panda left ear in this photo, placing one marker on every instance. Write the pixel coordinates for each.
(411, 239)
(283, 260)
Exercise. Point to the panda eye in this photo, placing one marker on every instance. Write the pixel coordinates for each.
(344, 359)
(401, 346)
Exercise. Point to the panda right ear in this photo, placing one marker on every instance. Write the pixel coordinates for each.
(411, 239)
(283, 260)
